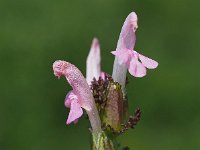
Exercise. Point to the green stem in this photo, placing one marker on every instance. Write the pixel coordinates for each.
(100, 141)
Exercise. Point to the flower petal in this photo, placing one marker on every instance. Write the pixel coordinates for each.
(93, 68)
(126, 41)
(69, 98)
(75, 112)
(136, 69)
(122, 55)
(147, 62)
(127, 36)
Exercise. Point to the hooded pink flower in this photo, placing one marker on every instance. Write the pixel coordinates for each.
(128, 58)
(80, 97)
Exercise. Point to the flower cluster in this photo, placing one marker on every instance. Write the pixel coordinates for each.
(126, 58)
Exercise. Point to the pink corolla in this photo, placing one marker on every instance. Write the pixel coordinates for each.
(80, 97)
(126, 56)
(93, 66)
(93, 63)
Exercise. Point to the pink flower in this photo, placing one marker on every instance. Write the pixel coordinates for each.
(93, 67)
(126, 56)
(80, 97)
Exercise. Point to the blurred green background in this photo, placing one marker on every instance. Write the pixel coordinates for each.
(35, 33)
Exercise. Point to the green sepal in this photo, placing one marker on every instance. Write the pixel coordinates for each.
(113, 115)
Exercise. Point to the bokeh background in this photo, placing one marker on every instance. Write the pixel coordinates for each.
(35, 33)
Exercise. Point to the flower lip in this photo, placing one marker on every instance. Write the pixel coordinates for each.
(135, 62)
(59, 68)
(69, 98)
(125, 55)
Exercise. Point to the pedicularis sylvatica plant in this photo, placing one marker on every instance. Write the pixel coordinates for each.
(102, 96)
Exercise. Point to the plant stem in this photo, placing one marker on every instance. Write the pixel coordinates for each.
(100, 141)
